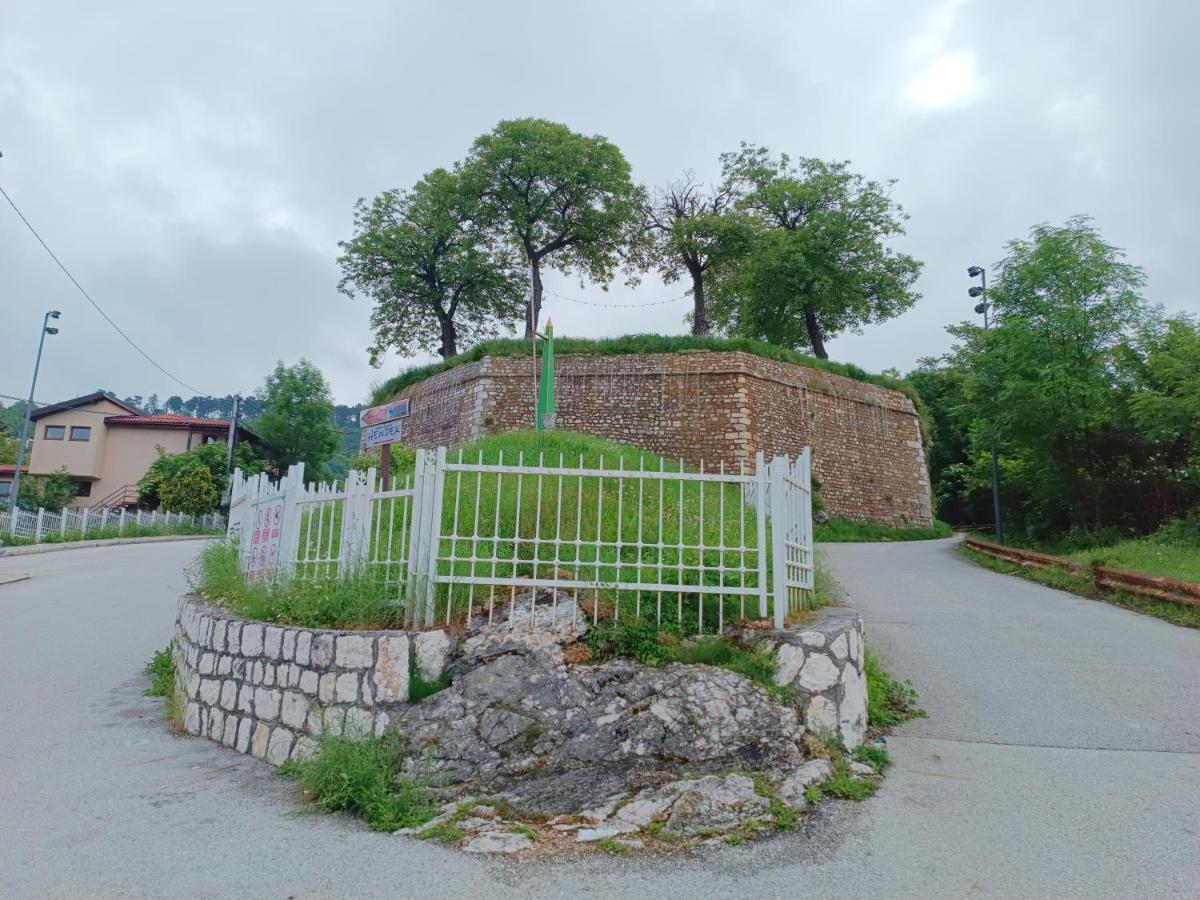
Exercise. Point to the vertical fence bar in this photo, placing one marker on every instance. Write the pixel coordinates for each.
(760, 508)
(779, 530)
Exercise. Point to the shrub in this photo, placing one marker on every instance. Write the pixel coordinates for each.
(161, 671)
(190, 492)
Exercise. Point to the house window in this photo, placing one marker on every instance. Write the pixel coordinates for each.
(83, 489)
(81, 432)
(5, 488)
(55, 432)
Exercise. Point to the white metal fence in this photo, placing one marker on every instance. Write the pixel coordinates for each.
(44, 525)
(466, 537)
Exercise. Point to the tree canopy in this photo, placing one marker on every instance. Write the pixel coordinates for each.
(296, 424)
(431, 271)
(819, 264)
(562, 199)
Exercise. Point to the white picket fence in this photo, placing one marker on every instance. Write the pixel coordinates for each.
(462, 537)
(43, 525)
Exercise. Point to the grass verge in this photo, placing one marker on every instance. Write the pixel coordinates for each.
(101, 534)
(362, 776)
(838, 530)
(1077, 583)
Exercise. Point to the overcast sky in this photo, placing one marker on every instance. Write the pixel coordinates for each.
(195, 165)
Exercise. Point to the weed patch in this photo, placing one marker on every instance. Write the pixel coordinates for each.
(161, 671)
(613, 846)
(846, 785)
(889, 702)
(362, 776)
(418, 687)
(875, 757)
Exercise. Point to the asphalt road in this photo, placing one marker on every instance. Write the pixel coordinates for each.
(1061, 757)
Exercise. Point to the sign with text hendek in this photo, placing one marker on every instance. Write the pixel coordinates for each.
(382, 424)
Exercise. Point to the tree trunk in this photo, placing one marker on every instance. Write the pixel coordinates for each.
(533, 309)
(699, 310)
(449, 337)
(814, 333)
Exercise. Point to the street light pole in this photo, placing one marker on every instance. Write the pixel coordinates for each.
(982, 306)
(16, 483)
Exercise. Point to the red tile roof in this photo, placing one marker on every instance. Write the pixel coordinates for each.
(12, 470)
(167, 420)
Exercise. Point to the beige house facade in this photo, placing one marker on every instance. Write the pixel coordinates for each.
(107, 445)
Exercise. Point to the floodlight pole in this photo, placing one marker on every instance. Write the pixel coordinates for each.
(982, 307)
(16, 483)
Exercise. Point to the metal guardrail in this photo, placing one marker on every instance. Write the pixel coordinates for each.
(1103, 577)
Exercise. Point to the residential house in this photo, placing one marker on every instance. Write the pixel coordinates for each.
(7, 473)
(107, 445)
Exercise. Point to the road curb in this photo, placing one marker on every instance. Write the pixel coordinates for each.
(10, 577)
(31, 549)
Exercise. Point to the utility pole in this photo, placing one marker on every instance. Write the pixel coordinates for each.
(231, 441)
(16, 484)
(982, 306)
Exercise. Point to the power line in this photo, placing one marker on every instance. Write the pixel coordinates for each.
(67, 272)
(582, 302)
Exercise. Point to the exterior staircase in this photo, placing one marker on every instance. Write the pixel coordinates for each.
(124, 497)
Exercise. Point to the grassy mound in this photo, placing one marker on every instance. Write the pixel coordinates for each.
(838, 530)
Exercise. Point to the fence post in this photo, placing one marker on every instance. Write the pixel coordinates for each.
(779, 527)
(418, 537)
(289, 537)
(62, 526)
(806, 520)
(103, 518)
(435, 531)
(356, 521)
(83, 523)
(121, 522)
(37, 528)
(760, 509)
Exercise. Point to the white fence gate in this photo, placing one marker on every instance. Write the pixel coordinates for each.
(463, 537)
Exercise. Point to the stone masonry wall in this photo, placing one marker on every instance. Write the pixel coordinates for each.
(711, 406)
(270, 690)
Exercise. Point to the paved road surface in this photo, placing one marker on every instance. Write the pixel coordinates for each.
(1061, 758)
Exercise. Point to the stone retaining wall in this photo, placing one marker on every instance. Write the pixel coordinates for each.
(270, 690)
(711, 406)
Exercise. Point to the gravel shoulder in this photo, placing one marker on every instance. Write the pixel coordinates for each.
(1061, 757)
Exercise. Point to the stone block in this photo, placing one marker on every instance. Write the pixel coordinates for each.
(258, 743)
(822, 716)
(431, 648)
(308, 682)
(208, 663)
(347, 688)
(359, 722)
(229, 737)
(852, 711)
(328, 687)
(191, 719)
(229, 691)
(304, 749)
(294, 709)
(193, 685)
(279, 747)
(789, 659)
(303, 647)
(210, 690)
(840, 648)
(382, 720)
(245, 699)
(218, 638)
(252, 640)
(243, 735)
(272, 642)
(216, 724)
(233, 640)
(288, 650)
(322, 650)
(818, 674)
(354, 651)
(266, 703)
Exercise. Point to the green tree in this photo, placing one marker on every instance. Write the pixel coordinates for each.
(191, 492)
(819, 264)
(694, 229)
(212, 458)
(51, 492)
(1043, 381)
(563, 200)
(430, 270)
(8, 449)
(296, 423)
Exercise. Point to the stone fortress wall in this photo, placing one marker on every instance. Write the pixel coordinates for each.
(719, 407)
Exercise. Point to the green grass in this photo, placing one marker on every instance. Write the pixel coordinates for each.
(1080, 583)
(613, 846)
(783, 817)
(642, 640)
(357, 601)
(844, 784)
(875, 757)
(161, 671)
(418, 687)
(444, 833)
(847, 530)
(889, 702)
(1147, 555)
(362, 776)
